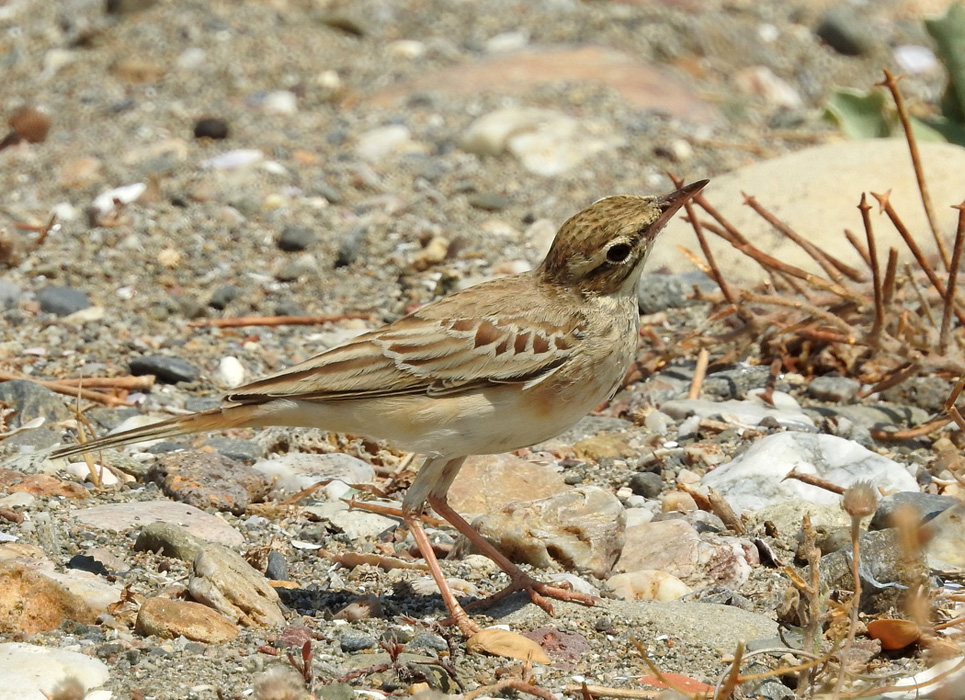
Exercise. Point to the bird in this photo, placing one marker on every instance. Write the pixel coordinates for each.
(495, 367)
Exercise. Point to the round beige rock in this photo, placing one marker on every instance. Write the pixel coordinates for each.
(167, 618)
(816, 191)
(648, 584)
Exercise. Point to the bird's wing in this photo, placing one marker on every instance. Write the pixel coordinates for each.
(432, 351)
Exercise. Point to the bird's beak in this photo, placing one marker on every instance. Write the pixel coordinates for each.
(670, 203)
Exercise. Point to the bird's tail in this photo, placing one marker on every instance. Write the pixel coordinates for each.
(213, 419)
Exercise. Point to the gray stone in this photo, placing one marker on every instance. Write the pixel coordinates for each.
(785, 411)
(886, 569)
(737, 381)
(351, 641)
(296, 238)
(277, 567)
(170, 370)
(646, 484)
(170, 540)
(9, 295)
(489, 201)
(236, 448)
(31, 401)
(350, 245)
(925, 506)
(834, 389)
(945, 540)
(846, 30)
(209, 480)
(661, 292)
(223, 296)
(62, 301)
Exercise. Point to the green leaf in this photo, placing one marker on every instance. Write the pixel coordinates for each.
(938, 129)
(948, 32)
(861, 115)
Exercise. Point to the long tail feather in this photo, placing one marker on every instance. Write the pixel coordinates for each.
(213, 419)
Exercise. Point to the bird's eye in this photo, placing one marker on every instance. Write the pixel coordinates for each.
(618, 252)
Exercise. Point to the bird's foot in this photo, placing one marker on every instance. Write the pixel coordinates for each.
(539, 593)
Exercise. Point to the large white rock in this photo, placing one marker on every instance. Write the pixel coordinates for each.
(28, 671)
(816, 191)
(756, 478)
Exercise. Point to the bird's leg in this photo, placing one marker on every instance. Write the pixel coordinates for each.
(435, 472)
(519, 580)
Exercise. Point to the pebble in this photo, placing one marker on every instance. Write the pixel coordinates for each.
(350, 245)
(230, 373)
(223, 295)
(356, 525)
(579, 529)
(170, 619)
(378, 144)
(646, 484)
(169, 370)
(647, 584)
(294, 239)
(834, 389)
(544, 141)
(211, 128)
(280, 102)
(489, 201)
(351, 641)
(756, 478)
(28, 670)
(276, 568)
(845, 30)
(661, 292)
(62, 301)
(292, 270)
(9, 295)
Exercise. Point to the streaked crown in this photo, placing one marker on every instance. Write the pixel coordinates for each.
(601, 250)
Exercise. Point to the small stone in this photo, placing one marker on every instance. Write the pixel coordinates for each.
(165, 515)
(489, 201)
(834, 389)
(352, 641)
(208, 480)
(167, 369)
(647, 584)
(230, 373)
(377, 144)
(292, 270)
(646, 484)
(223, 295)
(226, 582)
(9, 295)
(62, 301)
(923, 507)
(211, 128)
(296, 238)
(277, 568)
(350, 245)
(678, 502)
(280, 102)
(845, 30)
(29, 124)
(434, 253)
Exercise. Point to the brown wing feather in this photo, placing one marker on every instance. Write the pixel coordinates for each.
(438, 349)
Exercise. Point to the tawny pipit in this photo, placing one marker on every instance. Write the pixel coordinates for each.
(498, 366)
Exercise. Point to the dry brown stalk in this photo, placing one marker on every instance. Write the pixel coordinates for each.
(893, 379)
(891, 276)
(891, 82)
(278, 320)
(67, 388)
(703, 357)
(602, 691)
(952, 280)
(872, 259)
(885, 201)
(834, 268)
(857, 244)
(910, 433)
(813, 480)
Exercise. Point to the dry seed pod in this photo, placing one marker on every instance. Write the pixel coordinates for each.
(894, 634)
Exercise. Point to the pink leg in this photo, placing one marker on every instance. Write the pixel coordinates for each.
(456, 612)
(519, 580)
